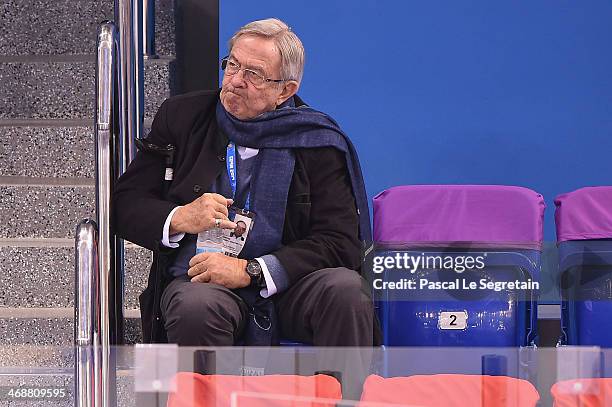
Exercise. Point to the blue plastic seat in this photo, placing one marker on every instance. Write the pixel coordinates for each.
(500, 223)
(586, 287)
(584, 236)
(505, 318)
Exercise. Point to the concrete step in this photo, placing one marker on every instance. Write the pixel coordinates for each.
(69, 26)
(47, 151)
(32, 357)
(40, 273)
(63, 380)
(63, 87)
(52, 326)
(48, 148)
(44, 207)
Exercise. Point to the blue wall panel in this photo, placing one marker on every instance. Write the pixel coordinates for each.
(470, 92)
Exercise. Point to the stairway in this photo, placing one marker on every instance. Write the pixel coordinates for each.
(47, 73)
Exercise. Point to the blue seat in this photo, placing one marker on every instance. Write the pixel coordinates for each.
(584, 236)
(501, 224)
(505, 318)
(586, 289)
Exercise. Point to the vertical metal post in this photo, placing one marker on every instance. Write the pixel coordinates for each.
(105, 175)
(131, 122)
(128, 107)
(148, 29)
(138, 44)
(86, 318)
(113, 154)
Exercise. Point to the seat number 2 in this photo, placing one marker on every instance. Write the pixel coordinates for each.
(452, 320)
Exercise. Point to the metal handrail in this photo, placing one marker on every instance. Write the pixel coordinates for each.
(86, 296)
(104, 130)
(86, 318)
(148, 29)
(99, 253)
(128, 14)
(96, 271)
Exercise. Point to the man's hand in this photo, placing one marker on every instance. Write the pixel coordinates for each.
(200, 215)
(220, 269)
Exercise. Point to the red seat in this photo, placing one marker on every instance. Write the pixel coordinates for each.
(582, 393)
(196, 390)
(450, 390)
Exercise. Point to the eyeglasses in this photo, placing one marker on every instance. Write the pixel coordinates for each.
(232, 67)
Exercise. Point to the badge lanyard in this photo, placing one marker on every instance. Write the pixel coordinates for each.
(232, 173)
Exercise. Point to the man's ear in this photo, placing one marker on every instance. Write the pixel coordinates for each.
(290, 88)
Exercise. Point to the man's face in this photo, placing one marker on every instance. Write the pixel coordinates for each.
(240, 228)
(238, 95)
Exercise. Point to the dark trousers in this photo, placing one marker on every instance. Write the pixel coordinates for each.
(329, 307)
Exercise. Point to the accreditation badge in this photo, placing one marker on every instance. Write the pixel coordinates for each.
(234, 240)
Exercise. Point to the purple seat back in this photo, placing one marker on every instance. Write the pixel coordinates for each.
(459, 215)
(584, 214)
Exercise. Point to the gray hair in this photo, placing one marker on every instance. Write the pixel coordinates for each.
(289, 45)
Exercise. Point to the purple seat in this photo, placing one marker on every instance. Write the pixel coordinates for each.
(584, 236)
(502, 223)
(439, 215)
(584, 214)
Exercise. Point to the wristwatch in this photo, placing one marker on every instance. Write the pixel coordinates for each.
(253, 269)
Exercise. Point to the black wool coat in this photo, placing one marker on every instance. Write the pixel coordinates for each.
(321, 221)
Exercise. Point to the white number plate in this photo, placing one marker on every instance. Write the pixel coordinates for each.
(452, 320)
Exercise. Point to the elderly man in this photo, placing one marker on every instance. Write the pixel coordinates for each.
(255, 153)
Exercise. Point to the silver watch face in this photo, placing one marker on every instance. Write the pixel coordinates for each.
(253, 268)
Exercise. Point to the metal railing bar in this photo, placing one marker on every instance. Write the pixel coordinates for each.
(85, 313)
(86, 281)
(99, 271)
(148, 29)
(105, 77)
(124, 10)
(139, 37)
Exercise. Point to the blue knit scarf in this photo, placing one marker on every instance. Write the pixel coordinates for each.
(275, 134)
